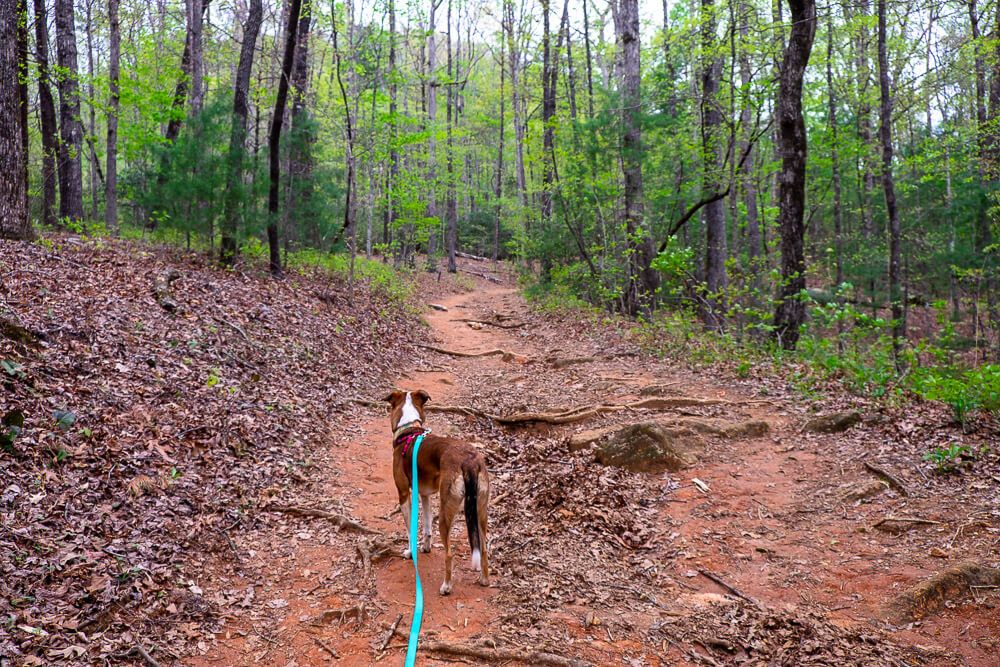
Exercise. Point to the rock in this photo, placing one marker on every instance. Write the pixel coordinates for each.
(835, 422)
(438, 306)
(930, 595)
(643, 447)
(754, 428)
(660, 390)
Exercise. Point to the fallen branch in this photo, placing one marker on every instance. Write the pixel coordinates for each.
(235, 327)
(886, 524)
(887, 478)
(500, 654)
(391, 633)
(339, 520)
(484, 276)
(465, 255)
(146, 657)
(732, 589)
(161, 289)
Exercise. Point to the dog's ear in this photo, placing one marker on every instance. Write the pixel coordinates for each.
(421, 397)
(394, 398)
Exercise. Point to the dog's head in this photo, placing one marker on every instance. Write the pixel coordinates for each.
(406, 407)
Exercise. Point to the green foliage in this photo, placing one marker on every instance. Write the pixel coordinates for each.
(13, 424)
(947, 459)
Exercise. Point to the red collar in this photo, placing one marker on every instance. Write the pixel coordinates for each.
(408, 437)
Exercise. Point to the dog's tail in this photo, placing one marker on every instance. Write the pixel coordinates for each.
(471, 476)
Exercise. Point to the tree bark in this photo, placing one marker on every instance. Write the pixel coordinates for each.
(712, 156)
(196, 11)
(888, 184)
(451, 205)
(838, 214)
(111, 180)
(71, 130)
(642, 282)
(749, 185)
(228, 247)
(300, 161)
(274, 136)
(393, 180)
(47, 112)
(791, 310)
(549, 73)
(498, 180)
(14, 222)
(432, 85)
(94, 161)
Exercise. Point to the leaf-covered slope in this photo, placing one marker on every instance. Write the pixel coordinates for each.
(149, 434)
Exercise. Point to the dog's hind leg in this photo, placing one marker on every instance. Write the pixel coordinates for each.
(425, 499)
(482, 508)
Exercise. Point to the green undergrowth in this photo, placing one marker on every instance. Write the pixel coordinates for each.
(839, 347)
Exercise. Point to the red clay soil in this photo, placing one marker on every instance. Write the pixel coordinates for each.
(759, 561)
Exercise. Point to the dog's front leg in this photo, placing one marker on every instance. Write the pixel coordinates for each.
(404, 508)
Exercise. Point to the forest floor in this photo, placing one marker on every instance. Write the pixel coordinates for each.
(773, 545)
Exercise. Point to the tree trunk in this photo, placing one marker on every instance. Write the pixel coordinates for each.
(47, 112)
(300, 161)
(432, 84)
(791, 310)
(71, 130)
(498, 181)
(888, 184)
(349, 228)
(91, 112)
(111, 181)
(393, 180)
(712, 155)
(589, 61)
(14, 222)
(22, 85)
(228, 246)
(838, 216)
(451, 206)
(641, 287)
(749, 185)
(196, 10)
(514, 55)
(274, 136)
(549, 73)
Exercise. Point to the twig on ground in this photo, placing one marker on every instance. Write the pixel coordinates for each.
(146, 657)
(729, 587)
(329, 649)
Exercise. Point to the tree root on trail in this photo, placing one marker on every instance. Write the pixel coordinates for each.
(497, 324)
(342, 522)
(569, 416)
(504, 354)
(887, 478)
(370, 551)
(502, 654)
(357, 611)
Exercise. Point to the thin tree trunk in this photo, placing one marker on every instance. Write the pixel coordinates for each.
(22, 85)
(838, 214)
(300, 214)
(111, 182)
(888, 184)
(714, 212)
(274, 136)
(549, 73)
(791, 310)
(196, 9)
(14, 222)
(451, 206)
(393, 180)
(589, 61)
(47, 112)
(349, 205)
(228, 247)
(432, 84)
(71, 130)
(92, 115)
(746, 171)
(498, 181)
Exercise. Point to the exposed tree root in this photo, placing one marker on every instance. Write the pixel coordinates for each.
(502, 654)
(342, 522)
(504, 354)
(887, 478)
(898, 524)
(498, 324)
(484, 276)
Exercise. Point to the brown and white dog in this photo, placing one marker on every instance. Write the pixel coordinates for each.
(452, 468)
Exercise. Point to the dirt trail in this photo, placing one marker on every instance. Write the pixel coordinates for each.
(767, 522)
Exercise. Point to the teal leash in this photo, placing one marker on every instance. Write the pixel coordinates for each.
(418, 607)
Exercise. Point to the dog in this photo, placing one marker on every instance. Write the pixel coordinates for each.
(452, 468)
